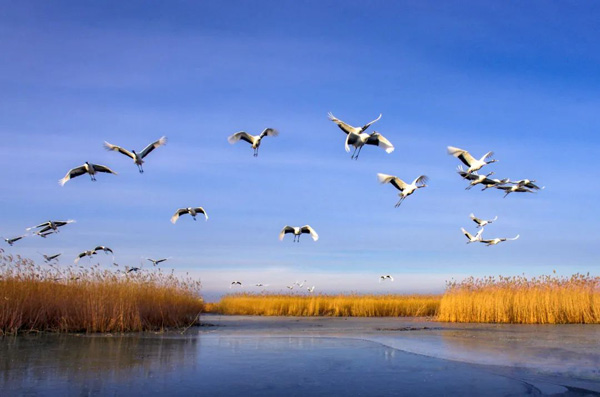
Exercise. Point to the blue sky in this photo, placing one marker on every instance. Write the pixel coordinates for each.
(521, 80)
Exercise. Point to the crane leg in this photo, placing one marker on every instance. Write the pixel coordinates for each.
(359, 149)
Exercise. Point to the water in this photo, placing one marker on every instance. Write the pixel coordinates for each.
(320, 356)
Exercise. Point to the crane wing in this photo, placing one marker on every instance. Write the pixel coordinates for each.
(462, 155)
(161, 142)
(72, 174)
(347, 128)
(286, 229)
(487, 155)
(469, 235)
(119, 149)
(244, 136)
(422, 179)
(311, 231)
(200, 210)
(379, 140)
(268, 132)
(178, 213)
(368, 124)
(395, 181)
(103, 168)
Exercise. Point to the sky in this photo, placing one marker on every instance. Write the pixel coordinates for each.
(518, 79)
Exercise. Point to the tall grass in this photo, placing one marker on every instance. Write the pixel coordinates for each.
(328, 305)
(541, 300)
(89, 299)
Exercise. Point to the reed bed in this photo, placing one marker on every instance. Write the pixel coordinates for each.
(90, 299)
(518, 300)
(353, 305)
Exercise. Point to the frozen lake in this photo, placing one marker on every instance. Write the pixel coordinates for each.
(275, 356)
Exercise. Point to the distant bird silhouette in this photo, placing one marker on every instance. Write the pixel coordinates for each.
(386, 277)
(193, 211)
(290, 286)
(297, 231)
(138, 158)
(356, 137)
(87, 168)
(133, 269)
(156, 261)
(470, 237)
(311, 289)
(235, 283)
(481, 222)
(497, 240)
(13, 240)
(527, 183)
(50, 225)
(85, 253)
(405, 188)
(515, 188)
(254, 140)
(261, 285)
(469, 160)
(103, 248)
(50, 258)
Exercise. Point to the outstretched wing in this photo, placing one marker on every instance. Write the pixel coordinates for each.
(161, 142)
(286, 229)
(311, 231)
(72, 174)
(200, 210)
(379, 140)
(119, 149)
(269, 132)
(487, 155)
(368, 124)
(347, 128)
(103, 168)
(421, 180)
(475, 219)
(395, 181)
(469, 235)
(462, 155)
(244, 136)
(178, 213)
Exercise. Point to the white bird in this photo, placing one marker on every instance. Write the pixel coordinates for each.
(474, 177)
(481, 222)
(469, 160)
(103, 248)
(489, 182)
(297, 231)
(497, 240)
(405, 188)
(254, 140)
(44, 235)
(13, 240)
(311, 289)
(50, 225)
(515, 188)
(300, 284)
(50, 258)
(261, 285)
(87, 168)
(193, 211)
(138, 158)
(356, 137)
(386, 277)
(235, 283)
(472, 238)
(527, 183)
(85, 253)
(290, 286)
(156, 261)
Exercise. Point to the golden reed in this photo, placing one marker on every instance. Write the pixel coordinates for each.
(328, 305)
(88, 299)
(518, 300)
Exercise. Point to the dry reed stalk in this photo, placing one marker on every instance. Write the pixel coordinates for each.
(89, 299)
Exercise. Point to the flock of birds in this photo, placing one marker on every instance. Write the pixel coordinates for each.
(355, 137)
